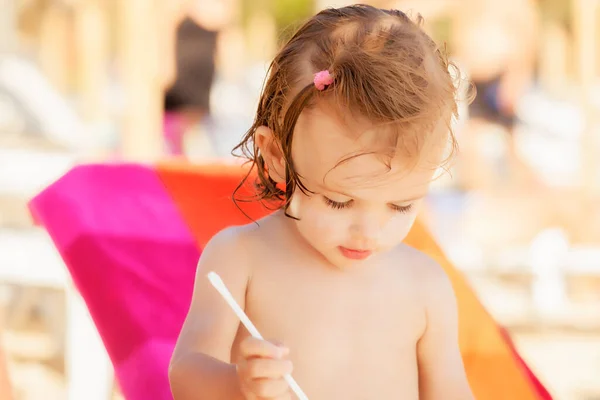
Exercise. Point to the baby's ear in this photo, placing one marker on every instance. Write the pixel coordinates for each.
(271, 153)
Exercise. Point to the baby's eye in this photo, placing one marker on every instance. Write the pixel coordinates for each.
(402, 209)
(336, 205)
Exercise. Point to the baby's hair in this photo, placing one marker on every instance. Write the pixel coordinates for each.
(384, 67)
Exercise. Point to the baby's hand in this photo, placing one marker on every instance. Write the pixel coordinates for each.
(262, 370)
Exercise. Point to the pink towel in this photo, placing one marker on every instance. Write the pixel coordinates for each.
(132, 258)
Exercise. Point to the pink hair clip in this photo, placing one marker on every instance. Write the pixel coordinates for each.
(323, 79)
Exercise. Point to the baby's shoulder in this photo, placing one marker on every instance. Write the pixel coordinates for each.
(412, 258)
(422, 269)
(227, 254)
(233, 240)
(239, 242)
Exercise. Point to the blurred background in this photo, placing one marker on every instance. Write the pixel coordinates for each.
(139, 80)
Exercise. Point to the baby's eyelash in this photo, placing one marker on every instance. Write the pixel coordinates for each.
(336, 204)
(402, 209)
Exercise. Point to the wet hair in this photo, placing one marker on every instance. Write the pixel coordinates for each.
(385, 68)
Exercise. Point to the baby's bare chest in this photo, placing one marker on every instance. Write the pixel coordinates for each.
(347, 335)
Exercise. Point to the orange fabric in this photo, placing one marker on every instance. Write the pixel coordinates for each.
(203, 195)
(493, 370)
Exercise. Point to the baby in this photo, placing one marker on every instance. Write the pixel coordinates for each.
(353, 122)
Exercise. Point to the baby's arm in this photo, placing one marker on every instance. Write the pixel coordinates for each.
(200, 366)
(441, 370)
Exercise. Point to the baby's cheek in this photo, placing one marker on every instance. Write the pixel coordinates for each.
(325, 219)
(398, 227)
(334, 226)
(322, 221)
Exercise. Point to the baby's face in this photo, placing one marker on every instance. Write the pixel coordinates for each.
(360, 207)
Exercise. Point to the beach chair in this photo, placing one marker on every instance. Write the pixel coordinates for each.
(130, 236)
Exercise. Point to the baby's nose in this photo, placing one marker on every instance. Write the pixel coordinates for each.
(367, 230)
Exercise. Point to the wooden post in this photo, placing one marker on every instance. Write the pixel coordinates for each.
(261, 36)
(8, 25)
(6, 391)
(140, 30)
(586, 47)
(91, 36)
(553, 57)
(54, 46)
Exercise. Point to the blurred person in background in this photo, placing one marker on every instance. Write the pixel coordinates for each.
(191, 74)
(495, 42)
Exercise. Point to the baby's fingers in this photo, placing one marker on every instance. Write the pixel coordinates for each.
(252, 347)
(271, 389)
(259, 368)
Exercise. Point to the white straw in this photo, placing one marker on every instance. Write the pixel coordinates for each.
(218, 283)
